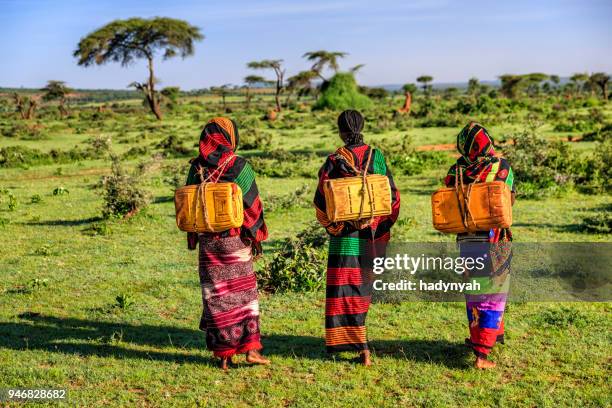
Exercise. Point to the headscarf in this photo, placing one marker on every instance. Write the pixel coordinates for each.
(218, 141)
(350, 125)
(477, 152)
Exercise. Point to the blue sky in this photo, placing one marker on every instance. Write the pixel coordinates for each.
(397, 40)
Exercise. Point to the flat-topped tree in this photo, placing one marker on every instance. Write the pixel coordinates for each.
(124, 41)
(322, 59)
(425, 80)
(57, 91)
(275, 65)
(601, 79)
(250, 81)
(510, 85)
(300, 83)
(579, 79)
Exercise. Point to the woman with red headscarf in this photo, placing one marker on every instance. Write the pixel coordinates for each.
(485, 307)
(229, 287)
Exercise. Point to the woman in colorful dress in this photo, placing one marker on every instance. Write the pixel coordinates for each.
(485, 307)
(352, 244)
(230, 317)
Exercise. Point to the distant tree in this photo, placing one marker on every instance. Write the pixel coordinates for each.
(124, 41)
(322, 59)
(579, 79)
(222, 91)
(25, 105)
(171, 94)
(300, 83)
(601, 79)
(510, 85)
(533, 81)
(450, 93)
(425, 80)
(408, 89)
(555, 80)
(57, 91)
(250, 81)
(374, 92)
(473, 87)
(275, 65)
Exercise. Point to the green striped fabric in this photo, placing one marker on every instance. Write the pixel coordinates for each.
(346, 246)
(379, 163)
(245, 178)
(510, 178)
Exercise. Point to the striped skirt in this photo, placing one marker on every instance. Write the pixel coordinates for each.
(485, 307)
(348, 293)
(229, 292)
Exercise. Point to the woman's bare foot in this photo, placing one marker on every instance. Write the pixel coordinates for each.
(225, 362)
(483, 364)
(255, 357)
(364, 358)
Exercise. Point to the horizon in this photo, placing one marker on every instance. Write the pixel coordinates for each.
(396, 42)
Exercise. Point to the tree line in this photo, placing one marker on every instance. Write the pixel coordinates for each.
(125, 41)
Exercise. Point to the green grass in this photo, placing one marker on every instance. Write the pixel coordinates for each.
(66, 330)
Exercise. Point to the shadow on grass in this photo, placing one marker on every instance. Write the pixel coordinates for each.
(452, 355)
(109, 339)
(66, 223)
(103, 339)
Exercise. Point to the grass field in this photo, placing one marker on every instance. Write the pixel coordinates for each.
(62, 268)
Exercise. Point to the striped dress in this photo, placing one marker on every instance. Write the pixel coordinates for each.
(230, 316)
(349, 265)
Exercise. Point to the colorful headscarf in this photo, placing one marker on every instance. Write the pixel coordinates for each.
(474, 143)
(218, 141)
(477, 154)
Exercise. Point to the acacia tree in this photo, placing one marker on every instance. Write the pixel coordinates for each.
(251, 80)
(510, 85)
(425, 80)
(579, 79)
(57, 90)
(222, 91)
(300, 83)
(322, 59)
(473, 86)
(601, 79)
(124, 41)
(275, 65)
(533, 82)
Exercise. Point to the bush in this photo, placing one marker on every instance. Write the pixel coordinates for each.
(540, 167)
(173, 147)
(404, 158)
(123, 195)
(341, 93)
(300, 197)
(299, 265)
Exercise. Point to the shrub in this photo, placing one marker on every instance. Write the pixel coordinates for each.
(255, 139)
(35, 199)
(403, 157)
(61, 190)
(299, 265)
(341, 93)
(123, 194)
(173, 147)
(564, 317)
(540, 167)
(300, 197)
